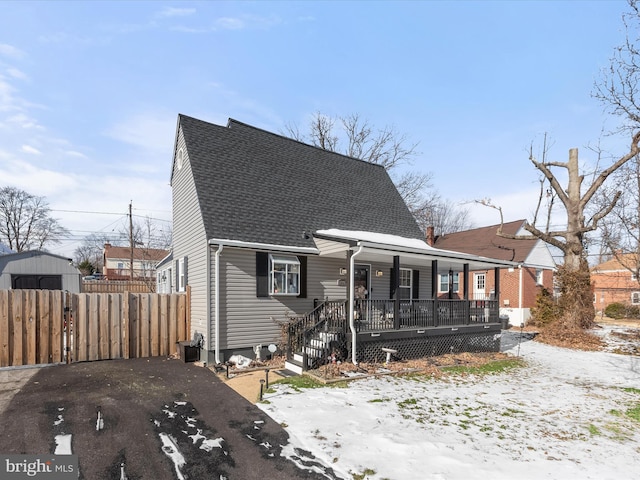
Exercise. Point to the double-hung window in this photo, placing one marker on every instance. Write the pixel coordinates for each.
(635, 298)
(404, 289)
(284, 275)
(444, 282)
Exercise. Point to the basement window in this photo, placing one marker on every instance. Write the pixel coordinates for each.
(284, 273)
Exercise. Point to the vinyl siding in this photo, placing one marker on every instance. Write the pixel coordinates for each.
(245, 319)
(380, 286)
(540, 256)
(189, 239)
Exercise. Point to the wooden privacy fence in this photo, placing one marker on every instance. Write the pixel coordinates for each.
(118, 286)
(50, 326)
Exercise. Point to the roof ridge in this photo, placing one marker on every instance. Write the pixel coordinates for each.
(233, 121)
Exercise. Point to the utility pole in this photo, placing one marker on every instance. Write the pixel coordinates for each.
(131, 241)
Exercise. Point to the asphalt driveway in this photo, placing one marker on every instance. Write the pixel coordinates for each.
(161, 419)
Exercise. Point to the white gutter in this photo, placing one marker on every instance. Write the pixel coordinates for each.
(351, 300)
(216, 330)
(264, 246)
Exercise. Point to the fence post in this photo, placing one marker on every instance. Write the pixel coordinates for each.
(68, 319)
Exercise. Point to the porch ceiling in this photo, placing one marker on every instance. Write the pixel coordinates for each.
(382, 248)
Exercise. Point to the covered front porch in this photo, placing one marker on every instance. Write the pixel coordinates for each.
(395, 300)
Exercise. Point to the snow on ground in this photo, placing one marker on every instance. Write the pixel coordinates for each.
(563, 416)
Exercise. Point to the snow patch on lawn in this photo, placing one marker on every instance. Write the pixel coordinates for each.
(561, 417)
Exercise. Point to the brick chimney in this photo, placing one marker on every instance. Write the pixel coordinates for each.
(430, 236)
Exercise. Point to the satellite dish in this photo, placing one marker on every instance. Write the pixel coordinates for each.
(272, 348)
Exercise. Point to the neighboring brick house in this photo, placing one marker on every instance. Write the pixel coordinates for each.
(519, 286)
(614, 282)
(117, 262)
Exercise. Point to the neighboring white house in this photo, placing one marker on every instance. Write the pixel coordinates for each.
(117, 262)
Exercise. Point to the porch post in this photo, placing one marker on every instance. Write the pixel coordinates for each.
(434, 291)
(465, 292)
(396, 283)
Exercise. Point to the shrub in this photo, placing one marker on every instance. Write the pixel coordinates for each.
(621, 310)
(616, 310)
(545, 311)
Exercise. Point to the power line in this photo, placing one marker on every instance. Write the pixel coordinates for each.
(117, 213)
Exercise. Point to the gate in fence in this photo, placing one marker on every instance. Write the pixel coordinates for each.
(52, 326)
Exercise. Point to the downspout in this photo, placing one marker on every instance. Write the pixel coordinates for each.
(216, 330)
(520, 293)
(351, 300)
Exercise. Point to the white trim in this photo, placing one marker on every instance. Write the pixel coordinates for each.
(216, 303)
(264, 246)
(351, 302)
(288, 261)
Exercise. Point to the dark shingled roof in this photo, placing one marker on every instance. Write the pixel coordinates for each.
(485, 243)
(256, 186)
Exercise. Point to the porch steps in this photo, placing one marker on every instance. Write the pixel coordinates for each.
(292, 366)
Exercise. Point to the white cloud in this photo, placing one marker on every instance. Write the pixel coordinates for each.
(246, 21)
(19, 74)
(22, 120)
(10, 51)
(151, 131)
(72, 153)
(176, 12)
(30, 149)
(228, 23)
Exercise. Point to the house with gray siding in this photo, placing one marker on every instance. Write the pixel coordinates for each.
(272, 235)
(38, 270)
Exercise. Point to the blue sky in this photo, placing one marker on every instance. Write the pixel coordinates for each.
(90, 91)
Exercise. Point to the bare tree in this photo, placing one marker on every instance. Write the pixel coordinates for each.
(618, 91)
(91, 251)
(386, 147)
(620, 232)
(25, 223)
(443, 215)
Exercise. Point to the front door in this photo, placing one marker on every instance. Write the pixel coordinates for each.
(361, 281)
(361, 291)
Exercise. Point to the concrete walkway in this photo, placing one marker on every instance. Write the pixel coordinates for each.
(12, 379)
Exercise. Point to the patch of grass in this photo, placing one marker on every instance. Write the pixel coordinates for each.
(363, 475)
(408, 403)
(497, 366)
(593, 430)
(632, 390)
(299, 382)
(634, 413)
(379, 400)
(511, 412)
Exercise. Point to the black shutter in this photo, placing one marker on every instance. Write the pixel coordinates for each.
(262, 274)
(303, 277)
(416, 284)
